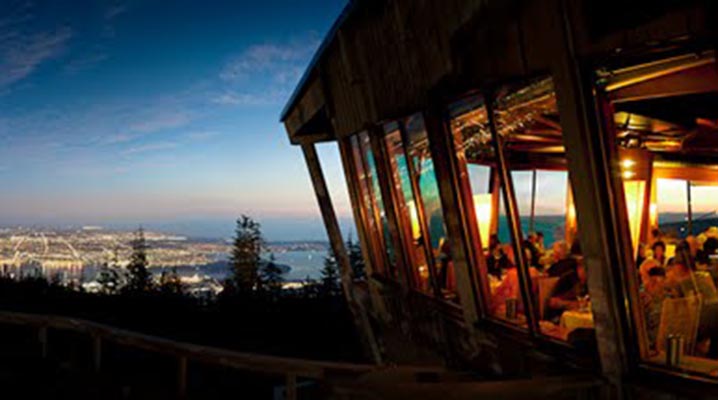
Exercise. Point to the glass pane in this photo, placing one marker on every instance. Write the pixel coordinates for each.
(408, 214)
(528, 122)
(379, 204)
(668, 144)
(428, 196)
(375, 246)
(476, 159)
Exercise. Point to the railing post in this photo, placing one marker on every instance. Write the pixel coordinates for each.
(42, 338)
(182, 378)
(291, 387)
(96, 353)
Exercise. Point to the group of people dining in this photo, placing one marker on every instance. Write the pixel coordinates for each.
(558, 278)
(689, 272)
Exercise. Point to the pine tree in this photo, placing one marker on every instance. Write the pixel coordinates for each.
(272, 276)
(139, 279)
(170, 282)
(356, 260)
(330, 275)
(109, 279)
(244, 259)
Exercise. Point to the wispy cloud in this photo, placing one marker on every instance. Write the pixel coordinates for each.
(85, 62)
(22, 53)
(156, 147)
(265, 73)
(161, 121)
(202, 135)
(115, 10)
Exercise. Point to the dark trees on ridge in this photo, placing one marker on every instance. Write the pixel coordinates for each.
(244, 260)
(139, 278)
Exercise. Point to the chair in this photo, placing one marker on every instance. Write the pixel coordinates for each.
(546, 286)
(679, 317)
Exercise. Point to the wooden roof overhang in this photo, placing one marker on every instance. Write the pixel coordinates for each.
(384, 60)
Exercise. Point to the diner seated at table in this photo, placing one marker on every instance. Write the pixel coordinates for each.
(561, 263)
(496, 258)
(659, 252)
(652, 294)
(568, 292)
(509, 288)
(679, 279)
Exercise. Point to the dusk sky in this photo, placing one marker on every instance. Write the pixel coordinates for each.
(158, 112)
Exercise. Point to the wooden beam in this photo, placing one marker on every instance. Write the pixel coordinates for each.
(337, 243)
(443, 155)
(598, 193)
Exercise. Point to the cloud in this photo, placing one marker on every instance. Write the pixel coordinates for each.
(22, 53)
(161, 121)
(202, 135)
(156, 147)
(115, 10)
(85, 62)
(265, 73)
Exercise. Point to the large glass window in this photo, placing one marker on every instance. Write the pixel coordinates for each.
(380, 245)
(419, 204)
(528, 125)
(665, 121)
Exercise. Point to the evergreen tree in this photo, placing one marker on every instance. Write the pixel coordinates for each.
(139, 277)
(330, 275)
(356, 260)
(109, 279)
(244, 259)
(272, 276)
(170, 282)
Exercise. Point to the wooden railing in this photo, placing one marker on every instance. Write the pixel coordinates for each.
(291, 368)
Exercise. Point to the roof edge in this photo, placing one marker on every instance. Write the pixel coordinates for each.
(299, 88)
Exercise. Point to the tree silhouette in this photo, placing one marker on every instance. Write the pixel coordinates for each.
(272, 276)
(170, 282)
(109, 279)
(330, 275)
(139, 278)
(356, 260)
(244, 259)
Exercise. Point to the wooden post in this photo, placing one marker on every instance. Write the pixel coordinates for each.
(512, 212)
(690, 206)
(96, 353)
(361, 319)
(593, 165)
(444, 154)
(182, 377)
(42, 338)
(291, 387)
(532, 221)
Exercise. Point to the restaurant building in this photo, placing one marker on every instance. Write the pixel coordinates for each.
(535, 184)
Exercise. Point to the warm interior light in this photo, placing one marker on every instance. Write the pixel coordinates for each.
(628, 163)
(653, 214)
(628, 174)
(482, 207)
(635, 192)
(414, 216)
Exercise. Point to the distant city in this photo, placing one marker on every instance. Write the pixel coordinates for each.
(76, 255)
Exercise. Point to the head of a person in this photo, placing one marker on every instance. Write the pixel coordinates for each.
(677, 270)
(576, 247)
(656, 234)
(646, 266)
(712, 232)
(701, 239)
(659, 249)
(656, 280)
(559, 250)
(539, 236)
(493, 241)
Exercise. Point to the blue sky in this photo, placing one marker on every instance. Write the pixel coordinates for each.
(157, 112)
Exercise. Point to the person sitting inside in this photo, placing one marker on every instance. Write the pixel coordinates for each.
(532, 253)
(679, 279)
(710, 247)
(659, 252)
(510, 287)
(569, 289)
(540, 243)
(653, 292)
(496, 259)
(562, 264)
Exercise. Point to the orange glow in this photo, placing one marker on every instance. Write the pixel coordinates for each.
(635, 193)
(484, 214)
(414, 215)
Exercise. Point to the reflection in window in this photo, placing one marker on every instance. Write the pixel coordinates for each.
(381, 251)
(667, 145)
(532, 140)
(415, 180)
